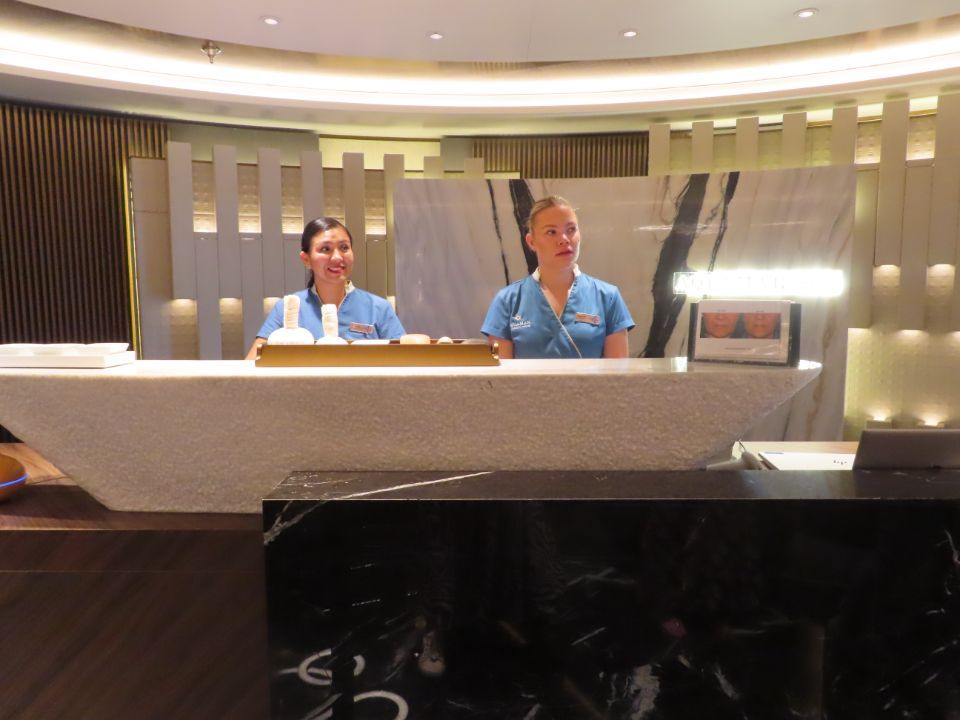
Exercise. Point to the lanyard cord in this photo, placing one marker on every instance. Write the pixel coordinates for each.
(569, 337)
(559, 321)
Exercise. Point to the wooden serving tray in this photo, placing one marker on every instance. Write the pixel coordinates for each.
(466, 353)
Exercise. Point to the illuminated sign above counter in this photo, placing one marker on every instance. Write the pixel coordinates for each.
(760, 283)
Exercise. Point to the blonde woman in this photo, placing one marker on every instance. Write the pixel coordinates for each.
(558, 311)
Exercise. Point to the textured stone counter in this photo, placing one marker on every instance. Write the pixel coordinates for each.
(211, 436)
(614, 595)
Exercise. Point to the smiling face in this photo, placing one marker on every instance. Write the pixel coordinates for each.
(720, 324)
(761, 324)
(555, 237)
(330, 257)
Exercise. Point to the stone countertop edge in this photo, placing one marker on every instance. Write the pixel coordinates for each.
(907, 485)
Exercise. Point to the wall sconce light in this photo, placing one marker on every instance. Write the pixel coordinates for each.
(886, 423)
(931, 424)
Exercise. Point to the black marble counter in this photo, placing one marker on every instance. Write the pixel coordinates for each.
(634, 595)
(622, 485)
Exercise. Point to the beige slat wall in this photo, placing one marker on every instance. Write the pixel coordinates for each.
(904, 344)
(263, 207)
(906, 208)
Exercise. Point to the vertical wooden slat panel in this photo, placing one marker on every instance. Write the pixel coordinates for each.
(251, 267)
(271, 221)
(748, 143)
(60, 172)
(226, 190)
(376, 266)
(78, 214)
(473, 168)
(945, 194)
(702, 140)
(392, 171)
(208, 300)
(353, 208)
(916, 228)
(793, 140)
(311, 182)
(659, 153)
(433, 168)
(72, 213)
(153, 261)
(843, 136)
(180, 193)
(864, 239)
(893, 158)
(8, 248)
(154, 289)
(294, 272)
(70, 255)
(955, 307)
(617, 155)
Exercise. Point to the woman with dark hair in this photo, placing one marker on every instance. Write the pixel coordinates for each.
(326, 249)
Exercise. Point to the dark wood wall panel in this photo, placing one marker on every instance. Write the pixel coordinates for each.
(565, 156)
(129, 616)
(64, 251)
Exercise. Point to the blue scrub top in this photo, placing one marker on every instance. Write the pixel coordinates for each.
(362, 315)
(520, 312)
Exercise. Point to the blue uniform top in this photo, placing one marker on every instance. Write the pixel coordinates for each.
(521, 313)
(361, 315)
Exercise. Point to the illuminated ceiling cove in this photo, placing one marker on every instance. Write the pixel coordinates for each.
(521, 65)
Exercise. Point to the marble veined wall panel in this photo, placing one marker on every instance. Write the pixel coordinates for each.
(459, 241)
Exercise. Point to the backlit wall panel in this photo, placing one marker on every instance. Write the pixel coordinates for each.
(459, 242)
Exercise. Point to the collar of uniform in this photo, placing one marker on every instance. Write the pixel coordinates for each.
(536, 273)
(350, 289)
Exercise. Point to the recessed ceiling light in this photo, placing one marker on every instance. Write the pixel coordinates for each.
(435, 36)
(270, 20)
(629, 33)
(806, 12)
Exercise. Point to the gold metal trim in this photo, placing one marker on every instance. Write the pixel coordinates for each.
(462, 353)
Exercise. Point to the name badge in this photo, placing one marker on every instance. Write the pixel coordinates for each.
(361, 328)
(585, 318)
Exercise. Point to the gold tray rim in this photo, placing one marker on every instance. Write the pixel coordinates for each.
(459, 353)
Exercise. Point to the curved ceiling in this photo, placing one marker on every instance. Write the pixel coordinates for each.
(49, 56)
(508, 30)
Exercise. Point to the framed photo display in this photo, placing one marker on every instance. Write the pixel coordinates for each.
(749, 331)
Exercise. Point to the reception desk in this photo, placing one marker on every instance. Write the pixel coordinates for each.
(113, 616)
(614, 595)
(211, 436)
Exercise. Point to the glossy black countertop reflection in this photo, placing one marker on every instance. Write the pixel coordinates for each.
(621, 485)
